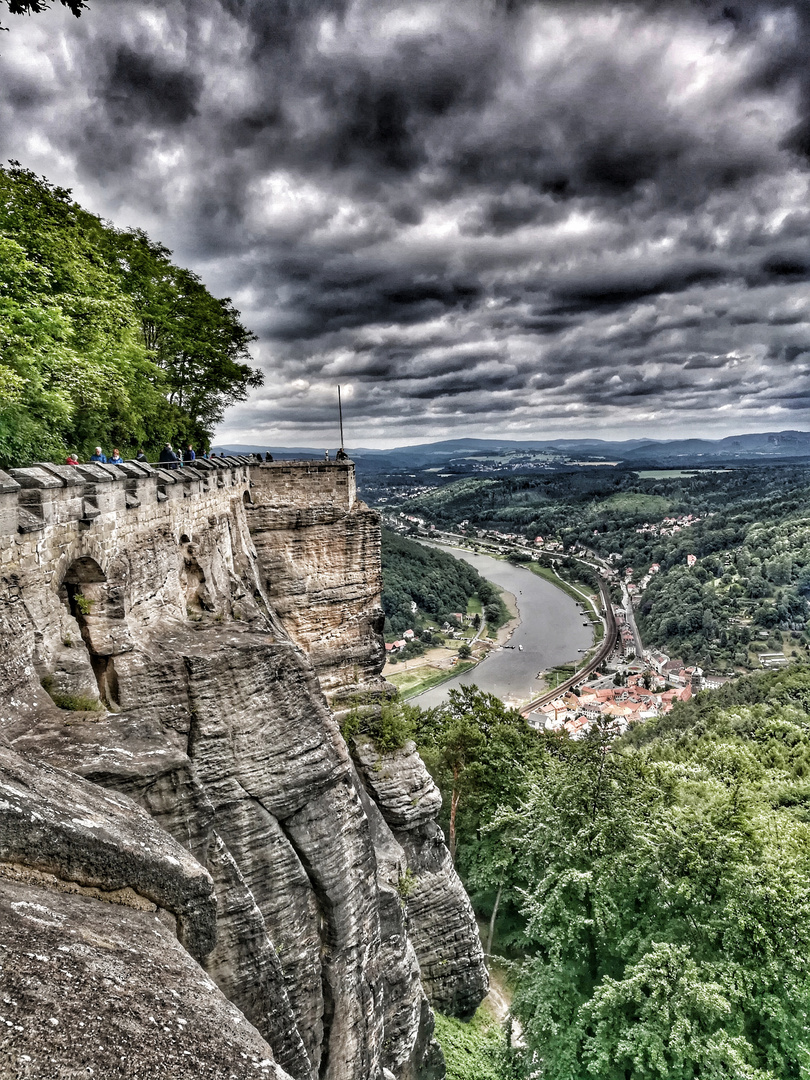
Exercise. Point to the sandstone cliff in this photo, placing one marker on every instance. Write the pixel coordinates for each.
(170, 636)
(95, 899)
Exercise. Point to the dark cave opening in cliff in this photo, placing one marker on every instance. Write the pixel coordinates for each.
(83, 591)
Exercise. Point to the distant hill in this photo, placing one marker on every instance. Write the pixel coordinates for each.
(470, 454)
(769, 444)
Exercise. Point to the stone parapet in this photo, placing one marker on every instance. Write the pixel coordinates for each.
(305, 484)
(41, 495)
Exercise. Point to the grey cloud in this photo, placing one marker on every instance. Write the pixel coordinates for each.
(147, 88)
(468, 212)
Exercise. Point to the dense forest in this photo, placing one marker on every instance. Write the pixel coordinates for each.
(653, 891)
(103, 340)
(423, 586)
(748, 528)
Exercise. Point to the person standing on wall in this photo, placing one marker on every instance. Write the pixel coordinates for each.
(168, 458)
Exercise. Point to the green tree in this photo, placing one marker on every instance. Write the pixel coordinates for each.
(668, 914)
(80, 363)
(71, 365)
(478, 751)
(35, 7)
(196, 339)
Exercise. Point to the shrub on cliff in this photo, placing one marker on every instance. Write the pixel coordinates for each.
(388, 726)
(479, 1050)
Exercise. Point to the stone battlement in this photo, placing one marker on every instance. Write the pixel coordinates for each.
(305, 483)
(43, 495)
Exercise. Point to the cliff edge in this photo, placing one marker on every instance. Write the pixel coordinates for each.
(172, 641)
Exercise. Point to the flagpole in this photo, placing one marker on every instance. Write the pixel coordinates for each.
(340, 414)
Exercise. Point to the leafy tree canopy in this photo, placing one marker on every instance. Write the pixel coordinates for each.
(436, 583)
(663, 879)
(34, 7)
(103, 339)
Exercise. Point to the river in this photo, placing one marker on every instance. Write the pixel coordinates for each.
(551, 632)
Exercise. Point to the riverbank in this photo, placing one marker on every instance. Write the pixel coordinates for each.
(547, 628)
(589, 598)
(435, 666)
(505, 632)
(424, 675)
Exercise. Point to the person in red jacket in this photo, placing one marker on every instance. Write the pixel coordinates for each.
(71, 459)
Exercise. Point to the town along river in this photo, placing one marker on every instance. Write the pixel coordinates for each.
(551, 632)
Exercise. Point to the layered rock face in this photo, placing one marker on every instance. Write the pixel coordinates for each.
(95, 899)
(318, 548)
(441, 922)
(163, 638)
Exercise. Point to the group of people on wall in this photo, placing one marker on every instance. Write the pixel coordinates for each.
(171, 459)
(168, 457)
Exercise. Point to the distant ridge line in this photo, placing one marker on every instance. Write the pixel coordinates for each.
(759, 445)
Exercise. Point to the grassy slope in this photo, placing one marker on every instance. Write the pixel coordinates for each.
(470, 1049)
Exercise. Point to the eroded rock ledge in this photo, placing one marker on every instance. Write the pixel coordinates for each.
(441, 922)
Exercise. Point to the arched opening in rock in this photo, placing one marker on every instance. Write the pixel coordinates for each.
(185, 539)
(82, 572)
(248, 501)
(84, 592)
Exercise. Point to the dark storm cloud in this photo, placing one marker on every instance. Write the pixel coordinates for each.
(144, 88)
(618, 290)
(522, 216)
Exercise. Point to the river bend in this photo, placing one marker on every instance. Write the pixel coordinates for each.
(551, 632)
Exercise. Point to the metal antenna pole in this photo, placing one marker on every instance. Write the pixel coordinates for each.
(340, 414)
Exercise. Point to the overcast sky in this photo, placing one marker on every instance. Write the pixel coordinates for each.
(480, 218)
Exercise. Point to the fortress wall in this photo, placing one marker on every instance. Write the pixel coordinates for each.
(296, 527)
(303, 484)
(318, 548)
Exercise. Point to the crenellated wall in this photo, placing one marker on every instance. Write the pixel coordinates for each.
(170, 634)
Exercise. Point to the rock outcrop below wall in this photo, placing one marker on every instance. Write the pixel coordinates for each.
(164, 638)
(441, 922)
(94, 896)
